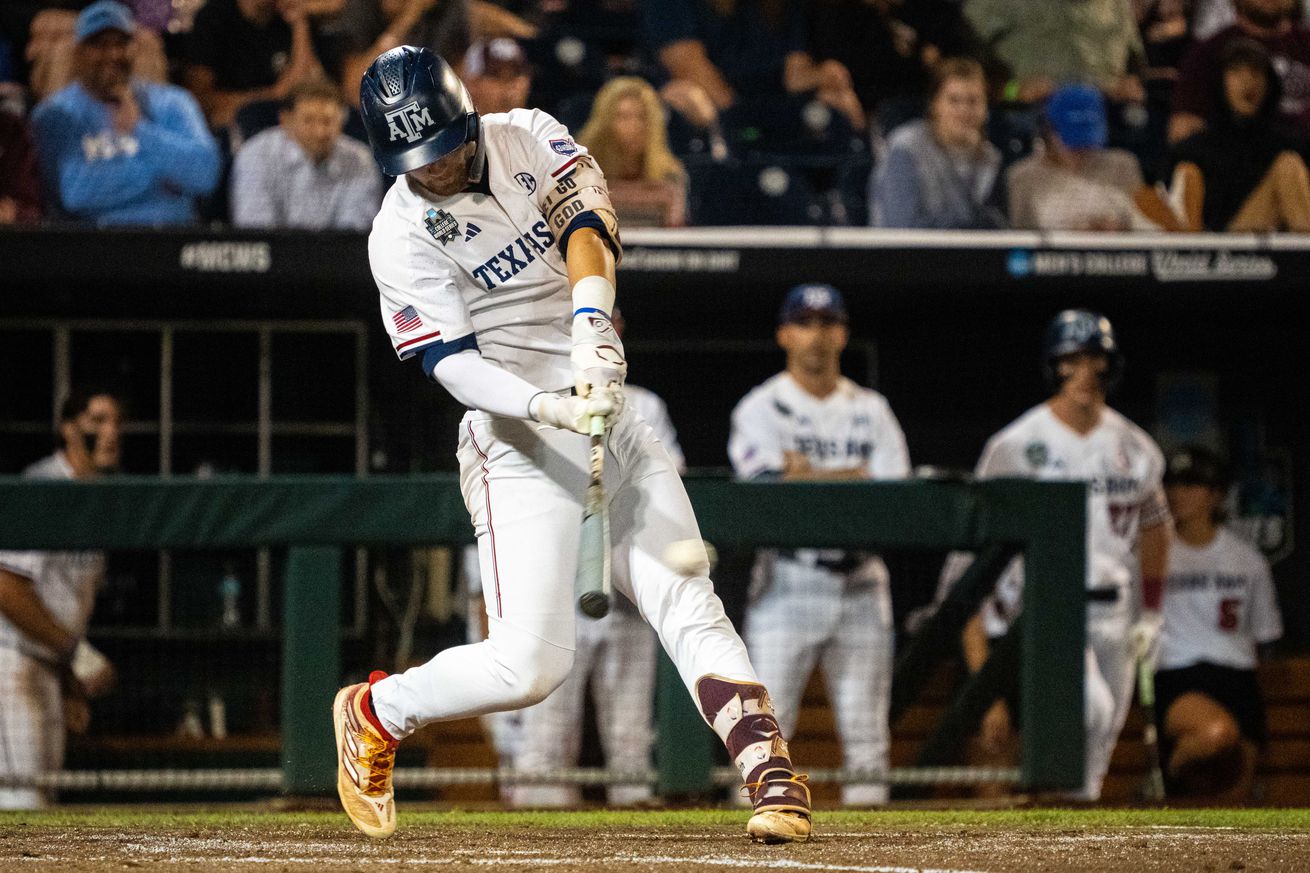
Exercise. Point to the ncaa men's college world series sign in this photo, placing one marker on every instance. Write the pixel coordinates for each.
(1163, 265)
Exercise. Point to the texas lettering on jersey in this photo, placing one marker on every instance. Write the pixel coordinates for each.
(516, 256)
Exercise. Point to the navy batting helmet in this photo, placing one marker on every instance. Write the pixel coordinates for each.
(416, 110)
(1080, 330)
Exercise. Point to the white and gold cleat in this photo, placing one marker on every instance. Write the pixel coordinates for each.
(782, 808)
(366, 757)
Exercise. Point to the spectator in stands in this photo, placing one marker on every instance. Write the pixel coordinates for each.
(20, 188)
(51, 47)
(1073, 182)
(497, 75)
(741, 55)
(1197, 96)
(890, 48)
(304, 173)
(1048, 44)
(1220, 614)
(367, 28)
(1244, 172)
(114, 150)
(942, 172)
(249, 53)
(1211, 16)
(47, 668)
(626, 136)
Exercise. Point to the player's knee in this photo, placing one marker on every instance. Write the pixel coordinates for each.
(533, 673)
(1221, 736)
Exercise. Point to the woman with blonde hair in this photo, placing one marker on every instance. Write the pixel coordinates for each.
(626, 135)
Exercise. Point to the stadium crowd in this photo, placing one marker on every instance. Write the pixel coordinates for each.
(1124, 115)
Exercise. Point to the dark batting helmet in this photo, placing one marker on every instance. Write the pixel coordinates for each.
(416, 110)
(1080, 330)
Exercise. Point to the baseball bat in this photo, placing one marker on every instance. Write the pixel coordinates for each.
(1154, 787)
(592, 582)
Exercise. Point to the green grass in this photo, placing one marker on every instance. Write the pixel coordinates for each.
(1029, 819)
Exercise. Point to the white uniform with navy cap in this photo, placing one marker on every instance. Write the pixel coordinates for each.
(823, 607)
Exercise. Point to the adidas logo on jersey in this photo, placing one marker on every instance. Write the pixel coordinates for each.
(471, 230)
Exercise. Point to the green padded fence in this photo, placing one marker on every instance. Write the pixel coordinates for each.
(319, 516)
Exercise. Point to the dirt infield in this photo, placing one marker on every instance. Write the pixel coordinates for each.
(845, 843)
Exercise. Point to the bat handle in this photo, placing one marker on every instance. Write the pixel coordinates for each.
(597, 426)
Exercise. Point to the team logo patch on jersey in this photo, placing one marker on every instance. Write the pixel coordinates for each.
(408, 122)
(442, 225)
(406, 319)
(1037, 454)
(563, 147)
(527, 180)
(471, 230)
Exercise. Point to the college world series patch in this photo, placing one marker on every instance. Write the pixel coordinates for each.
(442, 225)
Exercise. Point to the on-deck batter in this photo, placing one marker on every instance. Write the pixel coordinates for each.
(494, 253)
(1075, 436)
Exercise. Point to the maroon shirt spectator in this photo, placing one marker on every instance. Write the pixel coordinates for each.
(20, 187)
(1268, 22)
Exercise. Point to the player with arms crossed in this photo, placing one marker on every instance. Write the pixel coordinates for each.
(1075, 436)
(1220, 611)
(494, 253)
(823, 607)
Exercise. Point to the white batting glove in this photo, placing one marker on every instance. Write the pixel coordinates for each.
(597, 355)
(575, 413)
(1144, 636)
(92, 669)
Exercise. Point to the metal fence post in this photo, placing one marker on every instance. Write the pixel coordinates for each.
(311, 667)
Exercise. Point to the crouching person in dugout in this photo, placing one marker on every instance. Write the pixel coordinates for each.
(1220, 614)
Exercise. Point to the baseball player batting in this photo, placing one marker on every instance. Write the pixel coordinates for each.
(494, 252)
(1075, 436)
(822, 607)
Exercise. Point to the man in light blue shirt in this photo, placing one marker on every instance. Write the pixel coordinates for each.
(114, 150)
(304, 173)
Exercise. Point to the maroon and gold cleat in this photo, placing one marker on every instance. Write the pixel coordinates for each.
(366, 757)
(741, 714)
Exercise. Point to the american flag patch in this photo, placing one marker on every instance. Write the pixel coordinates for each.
(406, 319)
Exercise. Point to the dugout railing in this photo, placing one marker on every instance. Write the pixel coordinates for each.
(318, 518)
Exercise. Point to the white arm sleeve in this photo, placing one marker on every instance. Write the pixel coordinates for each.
(479, 384)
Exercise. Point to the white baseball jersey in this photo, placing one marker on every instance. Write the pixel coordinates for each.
(1219, 604)
(480, 271)
(65, 582)
(650, 407)
(1124, 469)
(851, 427)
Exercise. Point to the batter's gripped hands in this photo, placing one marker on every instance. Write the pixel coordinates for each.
(597, 355)
(575, 413)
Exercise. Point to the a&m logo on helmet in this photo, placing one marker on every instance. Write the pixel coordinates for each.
(408, 122)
